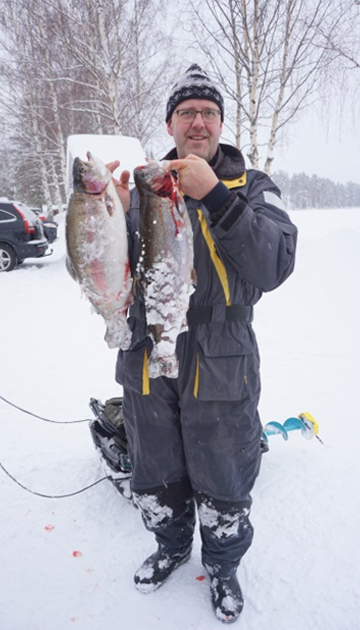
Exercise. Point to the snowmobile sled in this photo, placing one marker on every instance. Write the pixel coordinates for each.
(108, 434)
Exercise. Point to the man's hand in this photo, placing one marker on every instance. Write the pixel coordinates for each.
(196, 177)
(121, 185)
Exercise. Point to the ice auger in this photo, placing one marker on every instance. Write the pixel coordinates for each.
(305, 423)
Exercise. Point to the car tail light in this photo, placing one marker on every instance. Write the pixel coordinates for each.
(29, 229)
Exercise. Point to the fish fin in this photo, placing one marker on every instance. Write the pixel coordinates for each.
(71, 269)
(193, 277)
(118, 333)
(165, 164)
(184, 326)
(162, 365)
(109, 205)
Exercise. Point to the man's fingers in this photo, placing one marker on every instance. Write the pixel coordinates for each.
(112, 166)
(176, 165)
(180, 164)
(125, 177)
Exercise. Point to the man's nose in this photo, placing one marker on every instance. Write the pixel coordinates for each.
(198, 120)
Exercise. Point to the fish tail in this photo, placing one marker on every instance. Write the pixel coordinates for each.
(163, 365)
(118, 333)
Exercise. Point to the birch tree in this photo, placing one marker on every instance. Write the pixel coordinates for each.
(76, 67)
(21, 103)
(270, 57)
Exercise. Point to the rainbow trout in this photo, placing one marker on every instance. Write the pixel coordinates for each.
(165, 267)
(97, 247)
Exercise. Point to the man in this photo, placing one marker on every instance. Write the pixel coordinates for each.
(195, 440)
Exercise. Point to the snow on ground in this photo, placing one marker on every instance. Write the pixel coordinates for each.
(303, 570)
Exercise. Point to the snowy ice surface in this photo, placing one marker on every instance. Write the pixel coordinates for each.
(303, 569)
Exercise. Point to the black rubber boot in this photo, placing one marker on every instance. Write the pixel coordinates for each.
(226, 598)
(157, 569)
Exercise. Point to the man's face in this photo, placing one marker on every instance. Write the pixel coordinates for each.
(196, 137)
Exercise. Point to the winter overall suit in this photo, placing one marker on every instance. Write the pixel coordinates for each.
(196, 439)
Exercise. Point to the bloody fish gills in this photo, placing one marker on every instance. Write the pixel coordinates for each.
(165, 266)
(97, 247)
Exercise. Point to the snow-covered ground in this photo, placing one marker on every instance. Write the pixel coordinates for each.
(303, 570)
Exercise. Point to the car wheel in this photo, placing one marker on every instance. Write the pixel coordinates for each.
(7, 258)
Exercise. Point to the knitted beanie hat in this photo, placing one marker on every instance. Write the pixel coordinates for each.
(195, 83)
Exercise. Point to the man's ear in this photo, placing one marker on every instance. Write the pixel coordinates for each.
(169, 127)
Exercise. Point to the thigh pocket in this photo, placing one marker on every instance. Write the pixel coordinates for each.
(225, 363)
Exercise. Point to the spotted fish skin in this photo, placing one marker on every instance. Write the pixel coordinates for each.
(165, 266)
(97, 247)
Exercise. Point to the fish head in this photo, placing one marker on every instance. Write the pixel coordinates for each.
(91, 176)
(156, 178)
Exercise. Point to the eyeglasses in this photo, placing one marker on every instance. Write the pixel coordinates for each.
(208, 115)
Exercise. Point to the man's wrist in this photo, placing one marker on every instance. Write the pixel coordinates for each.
(216, 198)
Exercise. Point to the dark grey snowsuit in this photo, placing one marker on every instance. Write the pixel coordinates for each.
(197, 438)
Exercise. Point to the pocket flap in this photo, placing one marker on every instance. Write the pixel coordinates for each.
(226, 339)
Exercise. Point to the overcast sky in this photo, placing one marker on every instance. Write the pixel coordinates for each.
(311, 148)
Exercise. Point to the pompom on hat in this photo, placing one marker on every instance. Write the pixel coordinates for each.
(195, 83)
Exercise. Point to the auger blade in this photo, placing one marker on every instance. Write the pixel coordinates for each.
(296, 424)
(272, 428)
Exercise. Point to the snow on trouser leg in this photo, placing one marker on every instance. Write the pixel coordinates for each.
(226, 534)
(168, 512)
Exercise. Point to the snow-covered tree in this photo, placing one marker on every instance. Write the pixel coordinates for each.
(76, 67)
(271, 57)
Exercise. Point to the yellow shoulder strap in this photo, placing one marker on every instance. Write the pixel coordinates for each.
(235, 183)
(219, 265)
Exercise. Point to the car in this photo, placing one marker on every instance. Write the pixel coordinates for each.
(21, 235)
(50, 230)
(50, 227)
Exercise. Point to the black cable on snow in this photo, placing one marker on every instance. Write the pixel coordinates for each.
(40, 494)
(52, 496)
(40, 417)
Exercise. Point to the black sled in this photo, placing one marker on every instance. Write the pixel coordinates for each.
(108, 434)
